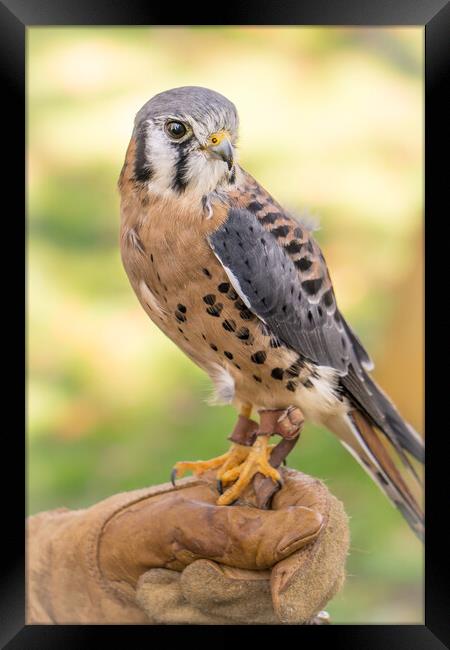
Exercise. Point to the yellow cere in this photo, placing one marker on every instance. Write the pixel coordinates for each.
(216, 138)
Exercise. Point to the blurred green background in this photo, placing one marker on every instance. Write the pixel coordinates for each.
(331, 123)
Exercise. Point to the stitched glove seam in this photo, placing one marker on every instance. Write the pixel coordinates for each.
(93, 542)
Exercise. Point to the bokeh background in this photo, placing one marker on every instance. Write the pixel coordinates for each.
(331, 124)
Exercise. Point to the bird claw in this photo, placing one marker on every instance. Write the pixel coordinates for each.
(219, 486)
(173, 476)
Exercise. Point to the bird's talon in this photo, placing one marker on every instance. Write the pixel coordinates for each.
(173, 476)
(219, 486)
(231, 474)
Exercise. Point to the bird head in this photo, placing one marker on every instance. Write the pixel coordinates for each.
(185, 142)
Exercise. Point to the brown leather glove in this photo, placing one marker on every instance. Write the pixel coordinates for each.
(170, 555)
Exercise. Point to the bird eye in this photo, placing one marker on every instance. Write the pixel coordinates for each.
(176, 130)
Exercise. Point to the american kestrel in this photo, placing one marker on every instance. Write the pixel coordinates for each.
(243, 289)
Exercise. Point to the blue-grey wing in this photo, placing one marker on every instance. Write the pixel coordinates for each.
(281, 275)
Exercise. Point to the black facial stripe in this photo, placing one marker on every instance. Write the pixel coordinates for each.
(179, 182)
(142, 168)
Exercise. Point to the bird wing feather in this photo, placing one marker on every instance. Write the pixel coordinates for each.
(279, 271)
(284, 280)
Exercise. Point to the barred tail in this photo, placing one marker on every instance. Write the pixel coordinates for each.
(364, 442)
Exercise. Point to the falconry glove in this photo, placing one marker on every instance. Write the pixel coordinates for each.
(171, 555)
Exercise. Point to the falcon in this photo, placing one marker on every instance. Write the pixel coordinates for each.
(242, 287)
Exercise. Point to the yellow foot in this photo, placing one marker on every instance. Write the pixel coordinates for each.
(257, 461)
(233, 457)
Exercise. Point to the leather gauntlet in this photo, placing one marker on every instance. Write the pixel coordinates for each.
(170, 555)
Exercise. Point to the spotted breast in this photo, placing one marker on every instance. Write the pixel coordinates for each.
(169, 256)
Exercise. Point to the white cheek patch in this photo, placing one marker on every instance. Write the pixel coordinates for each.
(163, 159)
(204, 174)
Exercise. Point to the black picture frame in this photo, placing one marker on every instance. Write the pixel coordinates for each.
(434, 16)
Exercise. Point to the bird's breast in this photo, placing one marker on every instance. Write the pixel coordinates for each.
(172, 268)
(185, 290)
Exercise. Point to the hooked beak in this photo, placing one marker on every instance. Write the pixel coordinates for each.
(219, 144)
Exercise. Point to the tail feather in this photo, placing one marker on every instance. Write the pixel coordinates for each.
(408, 438)
(372, 401)
(363, 441)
